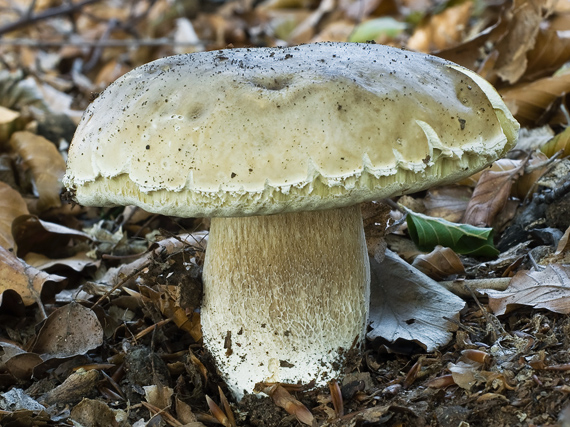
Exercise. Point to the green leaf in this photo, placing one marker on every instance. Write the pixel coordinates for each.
(375, 28)
(428, 232)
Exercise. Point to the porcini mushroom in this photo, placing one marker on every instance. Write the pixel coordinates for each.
(279, 146)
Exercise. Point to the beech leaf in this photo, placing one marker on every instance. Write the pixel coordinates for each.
(45, 163)
(405, 304)
(12, 205)
(69, 331)
(18, 276)
(489, 197)
(428, 232)
(548, 289)
(439, 263)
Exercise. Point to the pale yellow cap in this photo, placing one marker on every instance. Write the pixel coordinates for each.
(269, 130)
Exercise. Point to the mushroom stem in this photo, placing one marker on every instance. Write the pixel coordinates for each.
(285, 296)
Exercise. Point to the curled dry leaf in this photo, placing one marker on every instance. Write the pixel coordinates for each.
(283, 399)
(12, 205)
(33, 234)
(548, 289)
(560, 142)
(406, 304)
(448, 202)
(550, 52)
(531, 103)
(443, 30)
(46, 165)
(524, 23)
(69, 331)
(27, 281)
(489, 197)
(439, 263)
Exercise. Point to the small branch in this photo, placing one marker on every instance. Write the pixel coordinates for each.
(30, 18)
(97, 43)
(458, 287)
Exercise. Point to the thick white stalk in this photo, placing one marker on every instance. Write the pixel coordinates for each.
(285, 296)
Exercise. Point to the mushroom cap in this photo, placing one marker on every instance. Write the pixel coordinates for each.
(271, 130)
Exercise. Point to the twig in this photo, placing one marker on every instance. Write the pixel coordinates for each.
(458, 287)
(49, 13)
(164, 41)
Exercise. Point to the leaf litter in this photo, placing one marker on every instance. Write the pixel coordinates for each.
(132, 279)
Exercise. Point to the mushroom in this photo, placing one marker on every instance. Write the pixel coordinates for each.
(279, 146)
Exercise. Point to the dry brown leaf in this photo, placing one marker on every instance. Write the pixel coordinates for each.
(305, 31)
(90, 412)
(524, 22)
(10, 122)
(560, 142)
(27, 281)
(524, 186)
(497, 166)
(489, 197)
(551, 51)
(439, 263)
(531, 103)
(22, 365)
(77, 262)
(48, 238)
(564, 243)
(69, 331)
(548, 289)
(159, 395)
(447, 202)
(45, 163)
(283, 399)
(12, 205)
(443, 30)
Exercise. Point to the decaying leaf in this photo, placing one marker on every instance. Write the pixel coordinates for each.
(489, 197)
(12, 205)
(560, 142)
(405, 304)
(531, 103)
(27, 281)
(283, 399)
(443, 30)
(548, 289)
(428, 232)
(448, 202)
(439, 263)
(69, 331)
(35, 235)
(524, 22)
(46, 165)
(92, 412)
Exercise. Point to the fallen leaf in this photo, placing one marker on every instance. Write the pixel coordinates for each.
(448, 202)
(439, 263)
(12, 205)
(405, 304)
(489, 197)
(532, 103)
(69, 331)
(77, 262)
(560, 142)
(428, 232)
(524, 23)
(10, 122)
(35, 235)
(91, 412)
(443, 30)
(46, 165)
(551, 51)
(283, 399)
(548, 289)
(27, 281)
